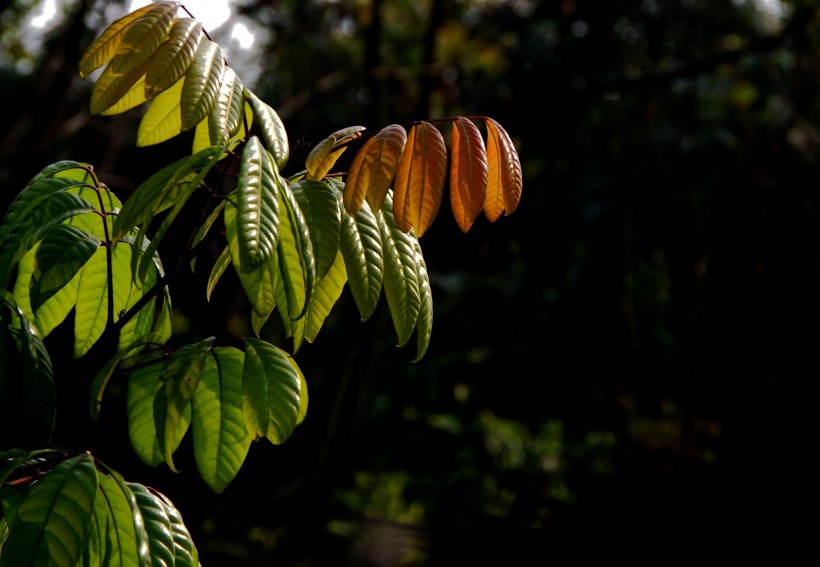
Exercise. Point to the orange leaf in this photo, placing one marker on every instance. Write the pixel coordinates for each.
(419, 182)
(373, 169)
(468, 172)
(504, 180)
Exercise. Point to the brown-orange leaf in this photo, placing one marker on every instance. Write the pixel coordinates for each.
(468, 172)
(419, 182)
(373, 169)
(504, 179)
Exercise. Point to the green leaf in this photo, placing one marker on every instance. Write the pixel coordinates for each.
(157, 524)
(257, 203)
(33, 376)
(221, 440)
(55, 309)
(297, 263)
(41, 205)
(105, 373)
(144, 386)
(424, 324)
(126, 535)
(258, 283)
(272, 129)
(185, 552)
(219, 267)
(61, 254)
(401, 273)
(181, 375)
(362, 249)
(174, 56)
(326, 294)
(320, 206)
(52, 523)
(201, 83)
(272, 388)
(225, 119)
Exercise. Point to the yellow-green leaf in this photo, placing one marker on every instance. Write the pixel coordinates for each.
(174, 56)
(324, 155)
(504, 173)
(143, 37)
(374, 168)
(105, 46)
(163, 120)
(468, 173)
(111, 87)
(419, 183)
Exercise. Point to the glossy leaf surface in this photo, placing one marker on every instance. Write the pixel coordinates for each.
(419, 182)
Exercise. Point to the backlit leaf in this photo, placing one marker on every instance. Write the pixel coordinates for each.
(174, 56)
(325, 295)
(142, 37)
(324, 155)
(181, 375)
(272, 389)
(52, 523)
(504, 173)
(126, 527)
(320, 207)
(419, 182)
(468, 173)
(111, 87)
(221, 440)
(105, 46)
(62, 253)
(373, 169)
(163, 119)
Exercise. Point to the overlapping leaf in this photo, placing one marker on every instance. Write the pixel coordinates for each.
(201, 83)
(221, 440)
(324, 155)
(361, 246)
(272, 129)
(52, 523)
(174, 57)
(257, 202)
(142, 37)
(401, 273)
(468, 172)
(105, 46)
(419, 182)
(272, 387)
(373, 169)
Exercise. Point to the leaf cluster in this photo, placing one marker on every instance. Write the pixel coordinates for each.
(70, 250)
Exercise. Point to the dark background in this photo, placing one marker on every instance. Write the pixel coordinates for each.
(621, 369)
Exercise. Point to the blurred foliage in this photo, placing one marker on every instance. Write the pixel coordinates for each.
(620, 369)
